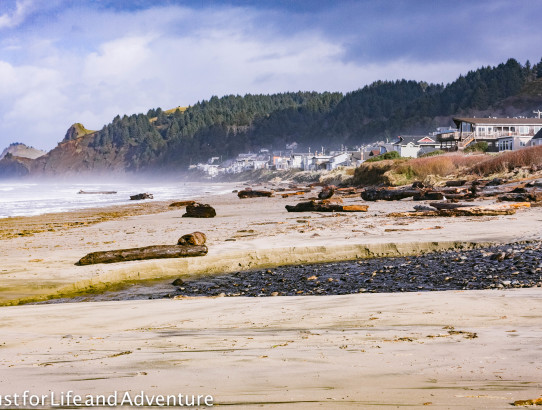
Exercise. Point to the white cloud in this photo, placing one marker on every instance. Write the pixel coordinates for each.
(89, 66)
(22, 9)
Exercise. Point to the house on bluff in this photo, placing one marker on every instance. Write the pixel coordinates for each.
(499, 133)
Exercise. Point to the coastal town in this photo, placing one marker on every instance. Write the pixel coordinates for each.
(497, 135)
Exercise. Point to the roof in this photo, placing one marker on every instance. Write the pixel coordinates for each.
(499, 121)
(538, 135)
(416, 140)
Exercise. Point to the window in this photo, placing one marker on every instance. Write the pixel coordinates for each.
(524, 130)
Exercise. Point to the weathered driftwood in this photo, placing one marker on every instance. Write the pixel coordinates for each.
(460, 182)
(313, 206)
(289, 194)
(423, 195)
(457, 212)
(386, 194)
(525, 197)
(492, 210)
(182, 203)
(249, 193)
(148, 252)
(447, 205)
(97, 192)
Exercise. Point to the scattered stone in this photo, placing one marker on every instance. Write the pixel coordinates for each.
(194, 238)
(142, 196)
(199, 211)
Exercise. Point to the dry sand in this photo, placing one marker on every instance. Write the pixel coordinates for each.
(359, 351)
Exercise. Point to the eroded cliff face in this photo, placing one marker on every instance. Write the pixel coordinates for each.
(77, 156)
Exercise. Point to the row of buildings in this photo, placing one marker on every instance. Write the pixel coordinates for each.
(501, 134)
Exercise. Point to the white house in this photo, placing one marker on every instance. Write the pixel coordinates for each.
(412, 146)
(470, 130)
(513, 143)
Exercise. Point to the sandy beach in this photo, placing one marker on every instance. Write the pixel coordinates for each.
(456, 349)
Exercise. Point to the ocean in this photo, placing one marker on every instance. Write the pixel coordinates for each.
(36, 198)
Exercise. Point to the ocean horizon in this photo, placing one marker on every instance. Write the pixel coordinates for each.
(38, 198)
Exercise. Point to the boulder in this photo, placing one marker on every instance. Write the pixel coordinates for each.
(194, 238)
(139, 197)
(199, 211)
(326, 192)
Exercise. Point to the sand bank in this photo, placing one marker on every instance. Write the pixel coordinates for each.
(465, 349)
(249, 233)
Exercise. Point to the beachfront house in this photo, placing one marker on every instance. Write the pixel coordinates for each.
(490, 130)
(413, 146)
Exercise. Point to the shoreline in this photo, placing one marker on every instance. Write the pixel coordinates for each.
(40, 251)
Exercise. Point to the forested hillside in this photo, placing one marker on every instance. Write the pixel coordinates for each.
(169, 140)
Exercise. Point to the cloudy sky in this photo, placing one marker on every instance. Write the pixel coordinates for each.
(66, 61)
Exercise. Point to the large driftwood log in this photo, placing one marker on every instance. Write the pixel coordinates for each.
(386, 194)
(313, 206)
(148, 252)
(493, 210)
(447, 205)
(250, 193)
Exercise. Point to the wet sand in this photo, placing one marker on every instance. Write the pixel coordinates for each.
(464, 349)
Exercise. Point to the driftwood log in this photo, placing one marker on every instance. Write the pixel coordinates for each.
(460, 182)
(423, 195)
(182, 203)
(387, 194)
(148, 252)
(313, 206)
(456, 212)
(288, 194)
(249, 193)
(447, 205)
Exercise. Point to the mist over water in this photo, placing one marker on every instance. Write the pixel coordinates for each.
(36, 198)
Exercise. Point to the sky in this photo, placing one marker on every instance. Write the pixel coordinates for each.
(67, 61)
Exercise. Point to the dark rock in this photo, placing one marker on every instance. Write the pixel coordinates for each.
(495, 182)
(194, 238)
(141, 196)
(178, 282)
(326, 192)
(199, 211)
